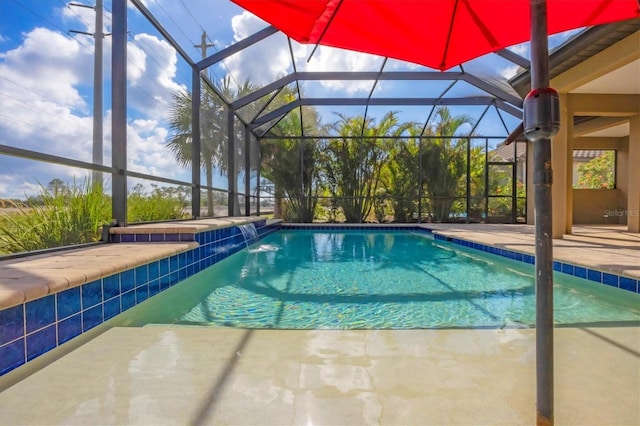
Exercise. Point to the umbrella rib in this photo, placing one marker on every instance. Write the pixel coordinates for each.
(324, 31)
(446, 46)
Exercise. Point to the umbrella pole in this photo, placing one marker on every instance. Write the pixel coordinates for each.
(542, 180)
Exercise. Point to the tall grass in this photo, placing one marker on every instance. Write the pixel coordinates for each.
(154, 207)
(71, 215)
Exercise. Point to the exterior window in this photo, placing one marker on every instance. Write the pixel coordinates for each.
(594, 169)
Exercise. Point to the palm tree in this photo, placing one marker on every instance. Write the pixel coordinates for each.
(443, 160)
(402, 176)
(354, 161)
(292, 164)
(213, 131)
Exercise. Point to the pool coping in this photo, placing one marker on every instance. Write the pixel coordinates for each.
(48, 300)
(32, 277)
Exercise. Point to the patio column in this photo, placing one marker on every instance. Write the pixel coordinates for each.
(633, 197)
(561, 156)
(530, 186)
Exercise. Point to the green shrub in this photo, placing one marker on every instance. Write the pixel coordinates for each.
(159, 205)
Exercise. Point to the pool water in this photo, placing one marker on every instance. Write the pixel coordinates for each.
(378, 280)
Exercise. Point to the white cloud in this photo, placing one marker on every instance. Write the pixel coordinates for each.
(261, 63)
(332, 59)
(46, 86)
(152, 66)
(146, 151)
(51, 66)
(271, 58)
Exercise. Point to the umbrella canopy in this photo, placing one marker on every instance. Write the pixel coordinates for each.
(439, 34)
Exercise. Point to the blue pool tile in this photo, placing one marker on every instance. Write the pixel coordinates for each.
(189, 257)
(41, 341)
(165, 282)
(182, 260)
(40, 313)
(91, 294)
(154, 287)
(111, 285)
(12, 356)
(164, 266)
(557, 266)
(172, 237)
(68, 302)
(610, 279)
(173, 263)
(567, 268)
(117, 238)
(69, 328)
(111, 308)
(629, 284)
(175, 278)
(580, 272)
(154, 271)
(157, 238)
(531, 260)
(142, 293)
(186, 237)
(143, 238)
(128, 300)
(142, 275)
(11, 324)
(128, 238)
(92, 317)
(594, 275)
(182, 274)
(200, 237)
(127, 280)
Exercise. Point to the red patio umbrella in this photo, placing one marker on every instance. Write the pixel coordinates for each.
(444, 33)
(439, 34)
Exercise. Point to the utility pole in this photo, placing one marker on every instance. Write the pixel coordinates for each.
(203, 48)
(203, 45)
(98, 35)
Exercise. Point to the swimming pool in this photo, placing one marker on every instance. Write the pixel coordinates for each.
(353, 279)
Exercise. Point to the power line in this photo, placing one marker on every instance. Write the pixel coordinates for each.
(32, 126)
(41, 110)
(39, 16)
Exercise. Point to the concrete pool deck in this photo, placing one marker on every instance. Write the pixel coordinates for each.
(191, 375)
(164, 375)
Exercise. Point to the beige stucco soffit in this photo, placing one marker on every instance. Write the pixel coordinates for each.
(610, 59)
(617, 105)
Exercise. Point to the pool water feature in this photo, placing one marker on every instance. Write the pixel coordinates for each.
(249, 232)
(303, 279)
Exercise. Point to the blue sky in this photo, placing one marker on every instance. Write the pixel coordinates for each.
(46, 81)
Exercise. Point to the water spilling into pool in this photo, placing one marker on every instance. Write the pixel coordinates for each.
(374, 280)
(249, 232)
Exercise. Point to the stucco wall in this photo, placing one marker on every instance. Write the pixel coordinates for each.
(598, 206)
